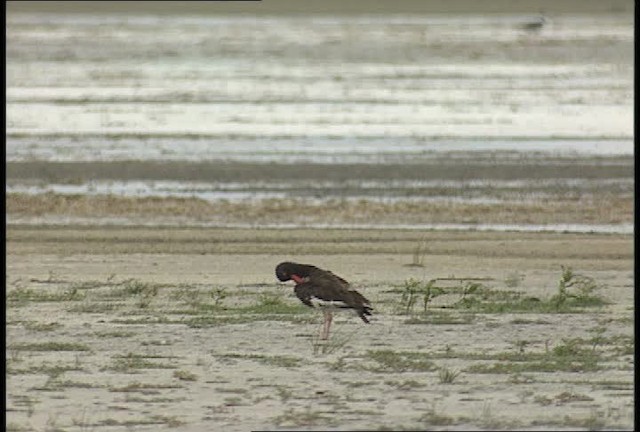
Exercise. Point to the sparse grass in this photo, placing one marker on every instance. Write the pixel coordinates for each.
(144, 291)
(41, 327)
(96, 307)
(441, 318)
(131, 363)
(21, 296)
(419, 252)
(185, 375)
(115, 334)
(335, 343)
(144, 388)
(575, 292)
(570, 356)
(50, 346)
(432, 418)
(275, 360)
(169, 421)
(302, 418)
(388, 360)
(198, 299)
(447, 376)
(45, 369)
(414, 290)
(404, 385)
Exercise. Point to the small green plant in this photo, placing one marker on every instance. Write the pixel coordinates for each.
(419, 252)
(575, 290)
(447, 376)
(185, 375)
(143, 290)
(598, 336)
(131, 363)
(218, 295)
(413, 290)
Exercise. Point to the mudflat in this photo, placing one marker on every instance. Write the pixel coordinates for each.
(136, 327)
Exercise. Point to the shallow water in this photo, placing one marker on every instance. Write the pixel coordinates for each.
(322, 89)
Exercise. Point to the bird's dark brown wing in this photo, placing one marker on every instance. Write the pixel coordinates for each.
(324, 286)
(304, 291)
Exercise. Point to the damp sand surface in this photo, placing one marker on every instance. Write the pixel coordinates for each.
(119, 327)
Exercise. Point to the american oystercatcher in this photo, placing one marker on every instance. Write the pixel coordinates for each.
(322, 289)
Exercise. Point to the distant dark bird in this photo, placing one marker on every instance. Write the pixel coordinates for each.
(535, 24)
(322, 289)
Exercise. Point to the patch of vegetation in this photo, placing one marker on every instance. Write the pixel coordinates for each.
(331, 345)
(419, 252)
(414, 291)
(144, 292)
(38, 326)
(53, 370)
(575, 292)
(185, 375)
(388, 360)
(50, 346)
(570, 356)
(130, 363)
(170, 421)
(403, 385)
(432, 418)
(562, 398)
(115, 334)
(95, 307)
(197, 299)
(275, 360)
(525, 321)
(440, 318)
(22, 295)
(147, 320)
(447, 376)
(144, 388)
(241, 317)
(273, 303)
(302, 418)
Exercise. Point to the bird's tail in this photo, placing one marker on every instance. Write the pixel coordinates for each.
(362, 313)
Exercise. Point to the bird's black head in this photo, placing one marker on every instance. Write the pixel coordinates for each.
(284, 270)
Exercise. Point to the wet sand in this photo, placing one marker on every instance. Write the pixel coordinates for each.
(109, 328)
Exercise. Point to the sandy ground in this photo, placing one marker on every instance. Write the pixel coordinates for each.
(148, 327)
(187, 329)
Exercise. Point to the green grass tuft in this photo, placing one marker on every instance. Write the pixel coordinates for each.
(388, 360)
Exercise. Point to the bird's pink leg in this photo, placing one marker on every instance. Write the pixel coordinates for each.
(328, 318)
(323, 334)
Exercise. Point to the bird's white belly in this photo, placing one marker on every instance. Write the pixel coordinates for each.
(329, 304)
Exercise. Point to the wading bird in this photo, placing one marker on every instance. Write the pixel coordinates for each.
(322, 289)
